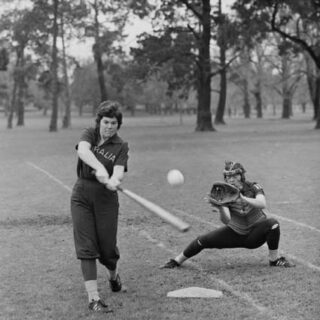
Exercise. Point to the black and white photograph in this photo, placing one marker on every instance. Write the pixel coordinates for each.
(159, 159)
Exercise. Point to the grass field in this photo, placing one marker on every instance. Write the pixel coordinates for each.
(40, 275)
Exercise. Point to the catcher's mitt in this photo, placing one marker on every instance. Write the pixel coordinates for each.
(222, 193)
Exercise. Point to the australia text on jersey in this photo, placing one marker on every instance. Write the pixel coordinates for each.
(108, 155)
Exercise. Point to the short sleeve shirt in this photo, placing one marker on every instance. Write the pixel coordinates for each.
(243, 215)
(112, 152)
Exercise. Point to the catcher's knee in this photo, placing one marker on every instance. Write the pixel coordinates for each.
(193, 248)
(199, 242)
(274, 224)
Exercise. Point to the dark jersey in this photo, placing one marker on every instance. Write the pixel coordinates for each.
(243, 215)
(112, 152)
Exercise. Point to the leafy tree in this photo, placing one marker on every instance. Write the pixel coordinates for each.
(182, 20)
(288, 68)
(84, 88)
(21, 27)
(105, 23)
(226, 36)
(258, 64)
(167, 57)
(241, 76)
(296, 21)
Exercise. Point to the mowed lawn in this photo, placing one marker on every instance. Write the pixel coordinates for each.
(40, 275)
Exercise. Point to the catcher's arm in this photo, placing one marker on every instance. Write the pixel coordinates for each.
(225, 216)
(223, 211)
(258, 202)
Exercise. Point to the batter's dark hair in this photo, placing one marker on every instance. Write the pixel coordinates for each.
(110, 109)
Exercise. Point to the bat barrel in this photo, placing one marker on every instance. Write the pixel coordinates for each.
(154, 208)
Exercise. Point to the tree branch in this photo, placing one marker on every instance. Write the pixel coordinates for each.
(195, 33)
(213, 74)
(192, 9)
(293, 38)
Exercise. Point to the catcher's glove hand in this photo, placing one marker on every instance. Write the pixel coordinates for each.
(222, 193)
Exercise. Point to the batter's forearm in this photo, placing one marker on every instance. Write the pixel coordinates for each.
(90, 159)
(118, 173)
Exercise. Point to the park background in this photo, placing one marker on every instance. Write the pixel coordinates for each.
(260, 107)
(211, 58)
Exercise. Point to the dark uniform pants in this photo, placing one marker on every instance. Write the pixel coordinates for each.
(94, 211)
(267, 230)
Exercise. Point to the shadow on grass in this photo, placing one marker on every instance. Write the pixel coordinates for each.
(39, 221)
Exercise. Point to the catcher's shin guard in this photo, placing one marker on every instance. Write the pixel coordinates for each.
(273, 236)
(193, 248)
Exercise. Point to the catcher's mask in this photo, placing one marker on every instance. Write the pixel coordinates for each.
(232, 168)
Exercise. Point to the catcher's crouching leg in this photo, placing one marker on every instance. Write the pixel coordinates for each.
(193, 248)
(273, 236)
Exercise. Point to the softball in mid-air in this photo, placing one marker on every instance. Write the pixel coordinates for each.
(175, 178)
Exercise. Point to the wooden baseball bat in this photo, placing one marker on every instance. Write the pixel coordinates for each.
(154, 208)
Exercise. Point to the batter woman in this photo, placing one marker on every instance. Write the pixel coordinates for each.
(102, 162)
(246, 224)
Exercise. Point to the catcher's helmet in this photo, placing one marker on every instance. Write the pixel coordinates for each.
(231, 168)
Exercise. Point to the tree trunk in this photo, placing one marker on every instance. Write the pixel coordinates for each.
(20, 103)
(246, 100)
(55, 89)
(310, 68)
(16, 99)
(286, 97)
(219, 119)
(316, 98)
(258, 85)
(257, 95)
(223, 74)
(204, 117)
(80, 110)
(12, 106)
(286, 107)
(66, 121)
(98, 56)
(317, 101)
(21, 88)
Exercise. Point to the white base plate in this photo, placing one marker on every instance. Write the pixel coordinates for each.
(195, 292)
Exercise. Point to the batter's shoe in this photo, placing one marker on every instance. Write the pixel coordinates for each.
(99, 306)
(115, 285)
(281, 262)
(171, 264)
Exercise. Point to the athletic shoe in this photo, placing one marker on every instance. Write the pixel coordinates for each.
(171, 264)
(281, 262)
(115, 285)
(99, 306)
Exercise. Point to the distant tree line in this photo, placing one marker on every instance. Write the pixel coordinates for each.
(199, 58)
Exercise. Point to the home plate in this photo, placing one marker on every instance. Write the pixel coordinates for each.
(195, 292)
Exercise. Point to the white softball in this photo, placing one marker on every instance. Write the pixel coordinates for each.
(175, 177)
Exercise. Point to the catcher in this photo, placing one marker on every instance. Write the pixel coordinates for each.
(245, 223)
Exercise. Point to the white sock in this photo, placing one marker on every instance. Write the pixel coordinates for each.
(113, 274)
(273, 255)
(180, 258)
(92, 290)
